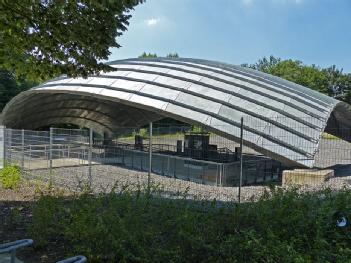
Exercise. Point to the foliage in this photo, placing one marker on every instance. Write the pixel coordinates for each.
(143, 132)
(148, 55)
(10, 176)
(328, 136)
(172, 55)
(127, 227)
(10, 86)
(197, 128)
(330, 81)
(264, 64)
(42, 39)
(154, 55)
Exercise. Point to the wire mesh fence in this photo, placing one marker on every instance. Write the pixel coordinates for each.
(194, 160)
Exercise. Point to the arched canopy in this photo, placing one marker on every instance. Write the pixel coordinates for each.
(282, 120)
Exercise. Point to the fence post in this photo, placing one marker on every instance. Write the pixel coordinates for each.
(9, 146)
(50, 149)
(30, 156)
(2, 146)
(241, 158)
(90, 154)
(150, 158)
(223, 176)
(22, 161)
(220, 174)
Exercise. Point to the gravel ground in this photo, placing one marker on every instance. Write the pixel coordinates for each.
(105, 177)
(25, 192)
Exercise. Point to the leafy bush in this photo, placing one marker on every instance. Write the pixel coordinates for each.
(124, 227)
(10, 176)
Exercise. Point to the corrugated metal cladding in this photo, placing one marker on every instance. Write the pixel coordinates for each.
(283, 120)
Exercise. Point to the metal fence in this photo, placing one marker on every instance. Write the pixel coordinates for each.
(76, 158)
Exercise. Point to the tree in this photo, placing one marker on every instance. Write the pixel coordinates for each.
(154, 55)
(41, 39)
(330, 81)
(339, 84)
(148, 55)
(172, 55)
(264, 64)
(10, 87)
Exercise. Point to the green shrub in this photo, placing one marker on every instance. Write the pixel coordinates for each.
(48, 219)
(123, 227)
(10, 176)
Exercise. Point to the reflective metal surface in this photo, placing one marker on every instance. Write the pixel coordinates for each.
(283, 120)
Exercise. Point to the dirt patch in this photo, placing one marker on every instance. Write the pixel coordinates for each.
(16, 208)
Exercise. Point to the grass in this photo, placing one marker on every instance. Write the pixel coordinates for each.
(137, 227)
(144, 133)
(155, 137)
(328, 136)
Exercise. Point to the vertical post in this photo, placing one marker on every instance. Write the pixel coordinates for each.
(50, 149)
(203, 172)
(163, 161)
(2, 146)
(220, 174)
(22, 161)
(9, 146)
(141, 160)
(90, 154)
(30, 156)
(123, 150)
(241, 158)
(217, 175)
(187, 169)
(13, 256)
(223, 176)
(150, 158)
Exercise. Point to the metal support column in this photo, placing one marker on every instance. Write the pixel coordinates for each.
(50, 148)
(90, 154)
(220, 174)
(150, 158)
(13, 256)
(22, 160)
(241, 158)
(2, 146)
(9, 146)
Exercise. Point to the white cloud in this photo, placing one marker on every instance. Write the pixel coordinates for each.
(152, 22)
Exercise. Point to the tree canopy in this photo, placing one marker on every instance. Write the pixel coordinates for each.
(172, 55)
(154, 55)
(148, 55)
(41, 39)
(330, 81)
(10, 86)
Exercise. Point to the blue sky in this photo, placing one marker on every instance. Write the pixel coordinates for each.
(239, 31)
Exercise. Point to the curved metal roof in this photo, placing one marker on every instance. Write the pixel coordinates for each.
(283, 120)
